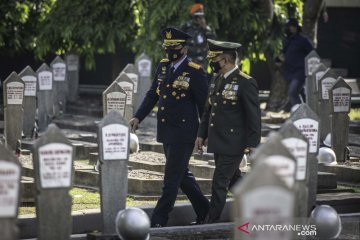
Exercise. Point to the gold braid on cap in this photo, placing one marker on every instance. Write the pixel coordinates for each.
(212, 54)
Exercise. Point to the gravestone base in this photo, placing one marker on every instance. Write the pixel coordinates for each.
(28, 190)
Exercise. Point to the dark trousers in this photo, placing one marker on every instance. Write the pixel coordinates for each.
(225, 176)
(296, 92)
(178, 175)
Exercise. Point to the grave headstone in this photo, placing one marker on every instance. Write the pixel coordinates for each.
(308, 123)
(133, 74)
(313, 99)
(113, 142)
(73, 69)
(143, 65)
(29, 104)
(312, 61)
(45, 100)
(340, 104)
(325, 83)
(128, 86)
(10, 175)
(262, 198)
(60, 84)
(275, 154)
(297, 144)
(53, 157)
(114, 98)
(13, 109)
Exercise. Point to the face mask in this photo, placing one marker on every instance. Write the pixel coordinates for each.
(215, 66)
(174, 54)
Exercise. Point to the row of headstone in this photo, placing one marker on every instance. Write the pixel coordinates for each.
(283, 182)
(329, 96)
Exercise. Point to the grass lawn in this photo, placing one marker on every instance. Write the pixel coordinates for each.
(354, 114)
(84, 199)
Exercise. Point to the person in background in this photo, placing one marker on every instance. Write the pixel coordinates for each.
(295, 48)
(200, 32)
(231, 122)
(180, 90)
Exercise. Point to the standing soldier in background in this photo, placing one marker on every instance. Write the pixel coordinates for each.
(180, 89)
(200, 32)
(231, 121)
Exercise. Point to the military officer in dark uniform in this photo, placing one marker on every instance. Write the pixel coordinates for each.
(231, 121)
(180, 89)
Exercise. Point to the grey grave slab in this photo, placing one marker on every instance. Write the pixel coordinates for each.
(340, 105)
(10, 175)
(30, 79)
(128, 86)
(13, 89)
(308, 123)
(114, 98)
(133, 74)
(73, 69)
(60, 83)
(313, 88)
(45, 100)
(113, 141)
(53, 165)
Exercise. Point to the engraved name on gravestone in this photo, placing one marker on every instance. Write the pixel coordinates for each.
(275, 154)
(60, 84)
(113, 145)
(14, 88)
(340, 104)
(312, 61)
(72, 63)
(53, 165)
(133, 74)
(10, 175)
(325, 83)
(114, 98)
(29, 104)
(128, 86)
(297, 144)
(45, 100)
(262, 198)
(308, 123)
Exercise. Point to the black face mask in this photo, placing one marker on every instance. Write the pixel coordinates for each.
(215, 66)
(174, 54)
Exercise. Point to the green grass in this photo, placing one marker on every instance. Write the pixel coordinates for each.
(354, 114)
(345, 186)
(84, 199)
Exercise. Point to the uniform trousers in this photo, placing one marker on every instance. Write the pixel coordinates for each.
(178, 175)
(226, 174)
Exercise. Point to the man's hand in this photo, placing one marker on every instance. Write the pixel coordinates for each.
(199, 143)
(134, 124)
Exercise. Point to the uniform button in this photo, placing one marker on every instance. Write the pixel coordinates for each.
(212, 114)
(163, 119)
(168, 85)
(162, 108)
(224, 102)
(231, 130)
(217, 94)
(211, 124)
(215, 104)
(183, 120)
(164, 97)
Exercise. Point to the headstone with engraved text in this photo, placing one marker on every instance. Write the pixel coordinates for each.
(10, 175)
(314, 88)
(60, 84)
(340, 104)
(73, 68)
(113, 142)
(114, 98)
(133, 74)
(30, 80)
(53, 156)
(128, 86)
(13, 89)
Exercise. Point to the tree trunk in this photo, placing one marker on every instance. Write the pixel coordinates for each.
(312, 10)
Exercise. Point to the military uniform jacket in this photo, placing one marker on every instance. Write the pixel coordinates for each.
(181, 98)
(232, 119)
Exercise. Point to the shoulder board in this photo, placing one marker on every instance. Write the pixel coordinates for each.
(244, 75)
(194, 65)
(164, 60)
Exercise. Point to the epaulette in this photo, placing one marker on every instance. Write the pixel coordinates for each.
(164, 60)
(194, 65)
(245, 75)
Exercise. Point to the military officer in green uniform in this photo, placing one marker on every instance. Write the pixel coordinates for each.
(231, 121)
(180, 90)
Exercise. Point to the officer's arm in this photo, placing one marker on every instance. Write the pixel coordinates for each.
(204, 122)
(250, 99)
(149, 101)
(199, 89)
